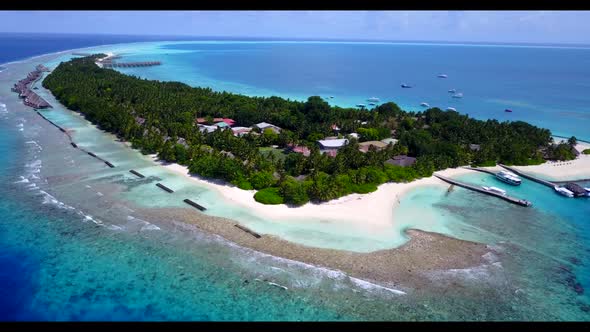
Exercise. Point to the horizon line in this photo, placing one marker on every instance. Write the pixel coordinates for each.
(327, 39)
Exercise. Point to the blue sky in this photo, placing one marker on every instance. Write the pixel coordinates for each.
(476, 26)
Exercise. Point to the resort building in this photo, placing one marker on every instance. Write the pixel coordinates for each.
(263, 125)
(222, 125)
(207, 129)
(401, 160)
(332, 144)
(182, 142)
(241, 131)
(353, 135)
(474, 147)
(304, 150)
(364, 146)
(330, 153)
(229, 122)
(139, 120)
(389, 140)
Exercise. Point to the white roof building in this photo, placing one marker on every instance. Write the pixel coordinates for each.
(207, 129)
(265, 125)
(333, 143)
(389, 140)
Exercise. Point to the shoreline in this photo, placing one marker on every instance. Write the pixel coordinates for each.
(572, 170)
(373, 210)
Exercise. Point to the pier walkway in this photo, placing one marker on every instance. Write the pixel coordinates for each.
(530, 177)
(480, 170)
(131, 64)
(513, 200)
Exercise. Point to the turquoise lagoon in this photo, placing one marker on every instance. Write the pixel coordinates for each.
(91, 257)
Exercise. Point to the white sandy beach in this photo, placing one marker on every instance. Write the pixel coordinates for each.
(576, 169)
(374, 209)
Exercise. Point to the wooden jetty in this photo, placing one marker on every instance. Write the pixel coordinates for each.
(194, 204)
(530, 177)
(131, 64)
(483, 170)
(163, 187)
(513, 200)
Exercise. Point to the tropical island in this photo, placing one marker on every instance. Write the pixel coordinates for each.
(291, 152)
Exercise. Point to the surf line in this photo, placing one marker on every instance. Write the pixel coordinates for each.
(108, 163)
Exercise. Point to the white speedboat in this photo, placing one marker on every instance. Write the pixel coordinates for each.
(508, 177)
(406, 86)
(458, 95)
(424, 105)
(563, 191)
(451, 109)
(495, 190)
(452, 91)
(442, 76)
(587, 191)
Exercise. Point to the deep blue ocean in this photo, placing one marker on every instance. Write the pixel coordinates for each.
(55, 267)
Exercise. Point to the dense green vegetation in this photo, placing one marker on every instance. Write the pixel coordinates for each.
(587, 151)
(159, 117)
(269, 196)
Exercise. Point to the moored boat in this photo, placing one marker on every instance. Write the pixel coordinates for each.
(563, 191)
(452, 91)
(373, 99)
(406, 86)
(451, 109)
(508, 177)
(508, 110)
(458, 95)
(360, 105)
(424, 105)
(442, 76)
(495, 190)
